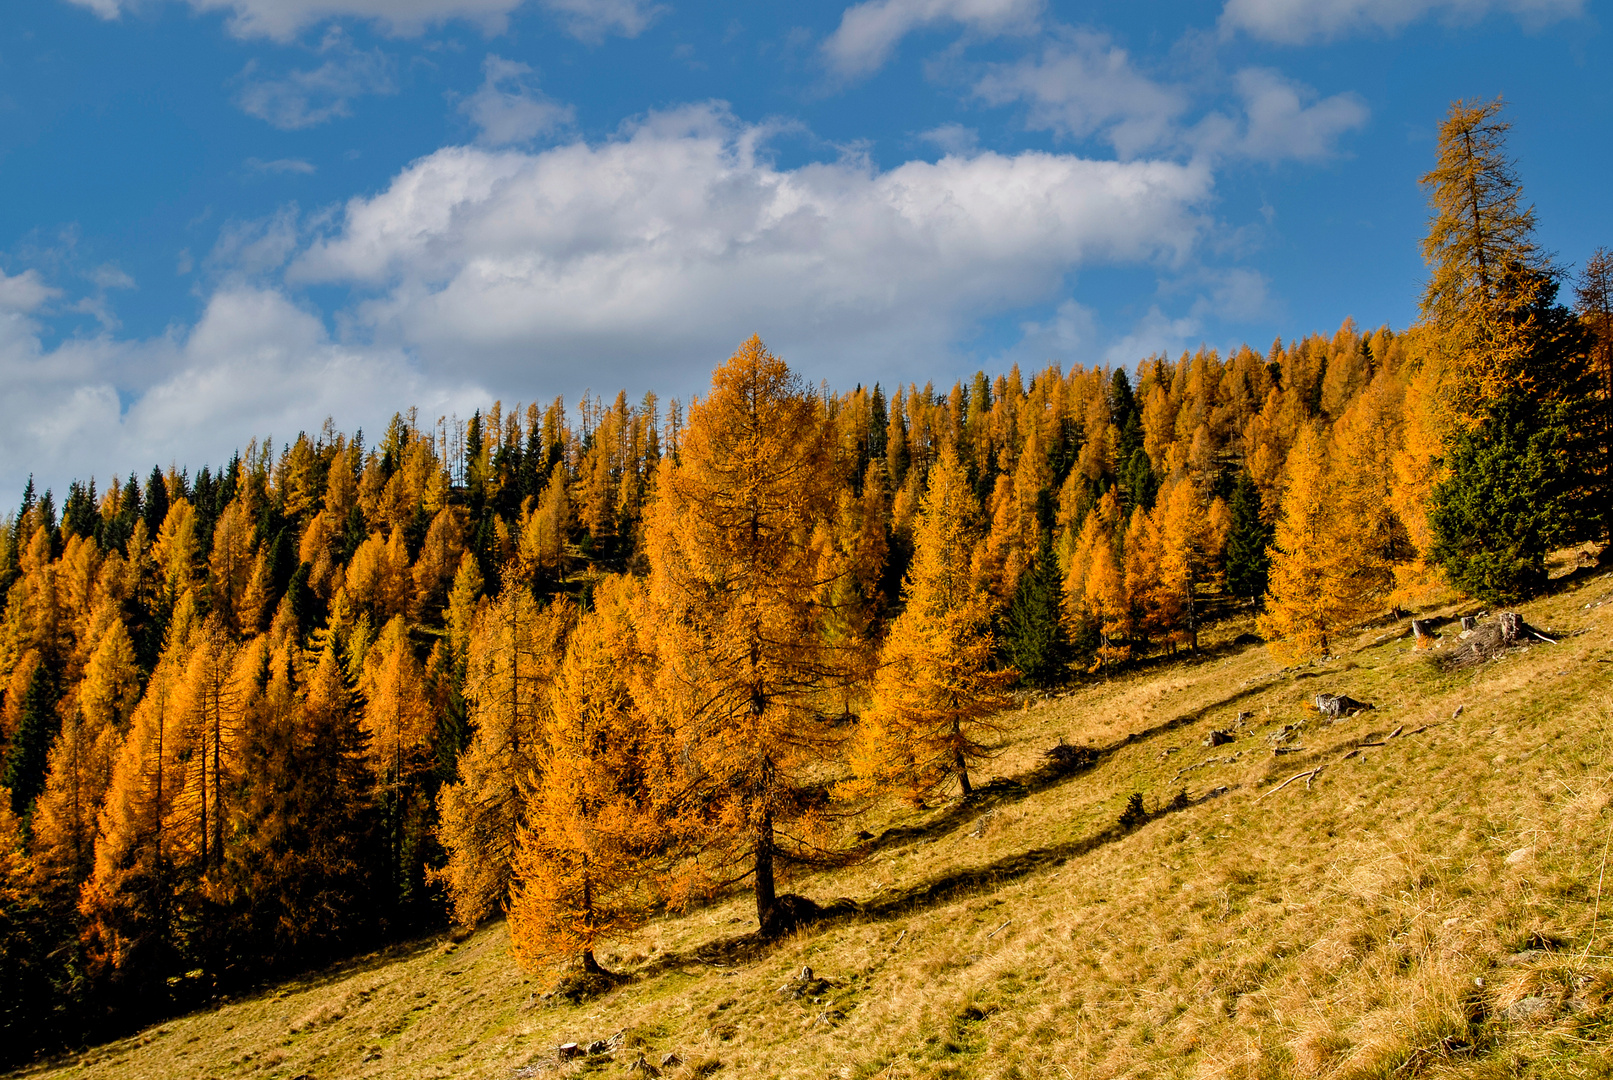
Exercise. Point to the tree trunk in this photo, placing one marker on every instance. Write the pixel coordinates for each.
(766, 897)
(958, 763)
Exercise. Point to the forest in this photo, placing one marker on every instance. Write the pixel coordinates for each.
(581, 665)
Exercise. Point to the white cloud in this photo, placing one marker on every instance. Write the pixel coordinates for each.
(592, 20)
(302, 99)
(254, 364)
(1284, 119)
(508, 110)
(869, 32)
(1069, 335)
(1293, 22)
(284, 19)
(954, 139)
(1082, 85)
(1155, 332)
(282, 165)
(23, 294)
(108, 276)
(676, 240)
(256, 247)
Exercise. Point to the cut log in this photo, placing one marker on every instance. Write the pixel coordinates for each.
(1423, 629)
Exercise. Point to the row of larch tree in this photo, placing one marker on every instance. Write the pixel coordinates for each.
(319, 698)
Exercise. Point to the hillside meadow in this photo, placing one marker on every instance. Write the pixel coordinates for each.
(1431, 903)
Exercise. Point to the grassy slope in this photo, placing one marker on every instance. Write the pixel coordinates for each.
(1335, 930)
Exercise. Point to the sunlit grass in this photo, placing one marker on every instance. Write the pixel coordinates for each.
(1423, 908)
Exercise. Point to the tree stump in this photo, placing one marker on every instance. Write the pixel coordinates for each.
(1424, 632)
(1511, 624)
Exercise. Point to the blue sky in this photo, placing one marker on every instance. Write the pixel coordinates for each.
(222, 219)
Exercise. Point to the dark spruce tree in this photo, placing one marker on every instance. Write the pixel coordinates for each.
(29, 752)
(1138, 484)
(1032, 633)
(156, 508)
(80, 514)
(1248, 543)
(1509, 499)
(1519, 481)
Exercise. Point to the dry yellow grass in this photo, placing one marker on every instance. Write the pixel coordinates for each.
(1432, 906)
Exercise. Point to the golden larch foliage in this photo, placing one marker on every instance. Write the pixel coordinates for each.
(595, 825)
(64, 818)
(733, 570)
(397, 714)
(1317, 568)
(513, 652)
(936, 685)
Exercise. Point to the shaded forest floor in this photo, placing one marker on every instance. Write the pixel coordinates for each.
(1429, 904)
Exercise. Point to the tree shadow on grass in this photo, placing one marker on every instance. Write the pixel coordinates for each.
(926, 894)
(1061, 763)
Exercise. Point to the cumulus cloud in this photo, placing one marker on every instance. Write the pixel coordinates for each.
(284, 19)
(508, 110)
(1293, 22)
(255, 363)
(953, 139)
(22, 295)
(1070, 334)
(1285, 119)
(306, 98)
(869, 32)
(1082, 85)
(677, 239)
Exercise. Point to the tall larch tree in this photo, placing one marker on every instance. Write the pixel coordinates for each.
(598, 823)
(1519, 364)
(1319, 583)
(399, 725)
(734, 573)
(128, 902)
(937, 683)
(1189, 559)
(64, 820)
(512, 655)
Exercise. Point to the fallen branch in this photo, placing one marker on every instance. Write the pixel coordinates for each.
(1308, 775)
(999, 930)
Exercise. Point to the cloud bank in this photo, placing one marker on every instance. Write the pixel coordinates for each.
(254, 364)
(283, 20)
(869, 32)
(1084, 86)
(1295, 22)
(675, 240)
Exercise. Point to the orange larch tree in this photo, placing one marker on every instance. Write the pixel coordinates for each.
(733, 571)
(936, 685)
(598, 822)
(513, 652)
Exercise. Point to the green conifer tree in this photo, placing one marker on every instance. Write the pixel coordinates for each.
(1248, 543)
(1032, 631)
